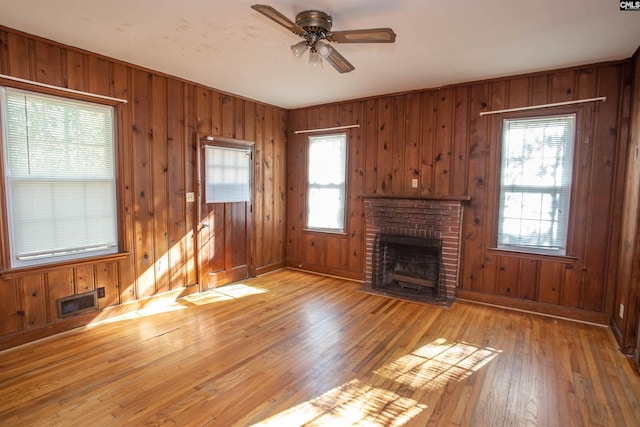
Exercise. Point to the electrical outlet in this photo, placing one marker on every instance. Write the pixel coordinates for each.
(414, 183)
(101, 292)
(621, 311)
(191, 197)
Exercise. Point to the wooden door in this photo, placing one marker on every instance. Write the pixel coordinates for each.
(224, 211)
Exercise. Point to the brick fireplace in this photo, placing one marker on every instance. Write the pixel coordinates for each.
(416, 218)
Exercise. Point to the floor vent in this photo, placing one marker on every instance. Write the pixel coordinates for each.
(74, 304)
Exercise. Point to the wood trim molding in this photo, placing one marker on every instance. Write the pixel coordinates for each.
(508, 303)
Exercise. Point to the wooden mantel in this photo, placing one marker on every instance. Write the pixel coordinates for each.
(458, 198)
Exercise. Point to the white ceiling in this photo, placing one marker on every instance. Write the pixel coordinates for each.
(224, 44)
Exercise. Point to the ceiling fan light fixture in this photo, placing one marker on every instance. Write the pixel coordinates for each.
(299, 49)
(314, 58)
(323, 49)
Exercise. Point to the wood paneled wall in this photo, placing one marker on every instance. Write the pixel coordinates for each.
(156, 147)
(626, 307)
(438, 137)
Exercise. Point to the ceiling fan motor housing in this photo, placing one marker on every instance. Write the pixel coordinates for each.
(314, 21)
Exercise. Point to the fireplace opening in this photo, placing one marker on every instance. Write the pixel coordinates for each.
(408, 267)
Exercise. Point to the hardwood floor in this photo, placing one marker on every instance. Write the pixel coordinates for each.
(293, 349)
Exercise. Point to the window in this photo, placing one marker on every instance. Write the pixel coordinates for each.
(59, 177)
(535, 183)
(227, 174)
(326, 182)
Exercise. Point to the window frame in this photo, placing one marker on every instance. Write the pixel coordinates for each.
(577, 112)
(335, 231)
(7, 268)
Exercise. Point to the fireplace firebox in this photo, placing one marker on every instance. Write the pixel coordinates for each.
(406, 266)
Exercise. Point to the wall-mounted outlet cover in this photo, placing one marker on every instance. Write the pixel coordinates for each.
(621, 311)
(191, 197)
(414, 183)
(101, 292)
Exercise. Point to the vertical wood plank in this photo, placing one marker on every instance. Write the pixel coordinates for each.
(356, 185)
(413, 134)
(459, 171)
(270, 172)
(76, 71)
(159, 157)
(370, 135)
(550, 282)
(442, 159)
(190, 144)
(228, 116)
(508, 275)
(427, 146)
(398, 142)
(18, 57)
(142, 181)
(384, 162)
(83, 279)
(528, 280)
(107, 278)
(176, 188)
(473, 218)
(121, 78)
(35, 300)
(9, 321)
(48, 63)
(259, 163)
(59, 284)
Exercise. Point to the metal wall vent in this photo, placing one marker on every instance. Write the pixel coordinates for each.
(74, 304)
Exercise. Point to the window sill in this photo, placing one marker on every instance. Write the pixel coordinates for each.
(324, 231)
(44, 268)
(532, 255)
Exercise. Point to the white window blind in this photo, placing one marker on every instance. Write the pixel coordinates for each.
(535, 183)
(60, 177)
(227, 174)
(326, 182)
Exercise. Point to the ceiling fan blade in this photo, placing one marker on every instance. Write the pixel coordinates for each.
(372, 35)
(338, 61)
(279, 18)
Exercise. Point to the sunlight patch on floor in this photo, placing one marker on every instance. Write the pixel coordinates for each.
(159, 306)
(434, 365)
(391, 395)
(353, 403)
(224, 293)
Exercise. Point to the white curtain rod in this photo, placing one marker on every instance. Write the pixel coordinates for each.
(326, 129)
(533, 107)
(63, 89)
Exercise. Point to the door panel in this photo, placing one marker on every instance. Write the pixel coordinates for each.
(224, 231)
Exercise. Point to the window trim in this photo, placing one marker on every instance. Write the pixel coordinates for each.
(497, 124)
(330, 231)
(7, 269)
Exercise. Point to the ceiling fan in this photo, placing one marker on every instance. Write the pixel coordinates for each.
(314, 27)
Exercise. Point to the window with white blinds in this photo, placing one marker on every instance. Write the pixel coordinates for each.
(60, 177)
(326, 182)
(535, 183)
(227, 174)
